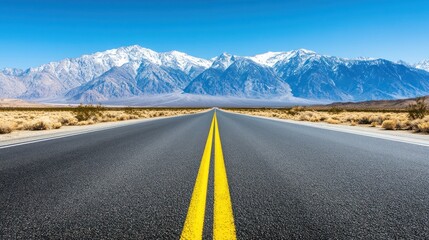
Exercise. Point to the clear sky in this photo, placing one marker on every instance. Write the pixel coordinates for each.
(39, 31)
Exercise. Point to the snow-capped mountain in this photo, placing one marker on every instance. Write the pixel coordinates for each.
(239, 77)
(424, 65)
(315, 76)
(223, 61)
(137, 78)
(134, 71)
(10, 86)
(118, 82)
(57, 78)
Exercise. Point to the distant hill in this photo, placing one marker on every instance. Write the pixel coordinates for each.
(374, 104)
(11, 102)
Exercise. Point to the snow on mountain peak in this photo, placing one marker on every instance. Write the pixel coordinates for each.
(182, 61)
(423, 65)
(304, 51)
(364, 59)
(401, 62)
(92, 65)
(223, 61)
(173, 59)
(11, 71)
(134, 70)
(271, 58)
(119, 56)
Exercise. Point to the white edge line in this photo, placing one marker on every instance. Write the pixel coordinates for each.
(373, 135)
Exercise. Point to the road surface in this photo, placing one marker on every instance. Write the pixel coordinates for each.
(261, 179)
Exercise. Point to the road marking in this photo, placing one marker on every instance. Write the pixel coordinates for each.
(223, 219)
(194, 223)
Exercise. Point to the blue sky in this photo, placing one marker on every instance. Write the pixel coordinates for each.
(36, 32)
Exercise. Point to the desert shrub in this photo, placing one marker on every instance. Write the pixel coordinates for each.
(292, 112)
(404, 125)
(374, 124)
(132, 113)
(43, 123)
(304, 117)
(68, 121)
(298, 109)
(334, 110)
(423, 127)
(133, 116)
(81, 123)
(56, 125)
(420, 125)
(110, 115)
(87, 112)
(284, 116)
(53, 118)
(5, 127)
(332, 121)
(38, 125)
(389, 124)
(315, 119)
(376, 119)
(143, 114)
(417, 110)
(364, 120)
(122, 117)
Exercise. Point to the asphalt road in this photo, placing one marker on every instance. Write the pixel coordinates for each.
(286, 181)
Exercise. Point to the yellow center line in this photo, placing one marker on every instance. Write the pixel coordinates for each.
(223, 218)
(194, 223)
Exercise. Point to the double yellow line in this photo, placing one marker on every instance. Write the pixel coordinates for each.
(223, 219)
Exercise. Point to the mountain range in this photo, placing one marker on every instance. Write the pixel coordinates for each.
(135, 72)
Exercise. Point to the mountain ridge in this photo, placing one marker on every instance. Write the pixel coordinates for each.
(136, 71)
(423, 65)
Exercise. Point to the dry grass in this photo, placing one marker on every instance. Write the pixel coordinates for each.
(6, 127)
(395, 120)
(34, 119)
(389, 124)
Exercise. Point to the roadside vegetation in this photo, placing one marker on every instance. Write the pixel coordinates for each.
(34, 119)
(413, 118)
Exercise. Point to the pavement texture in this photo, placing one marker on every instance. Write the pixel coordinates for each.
(286, 181)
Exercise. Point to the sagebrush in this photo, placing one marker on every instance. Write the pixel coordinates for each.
(35, 119)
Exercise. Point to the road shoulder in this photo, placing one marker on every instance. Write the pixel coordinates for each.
(25, 137)
(399, 136)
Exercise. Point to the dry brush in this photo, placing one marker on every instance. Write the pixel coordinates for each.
(34, 119)
(389, 120)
